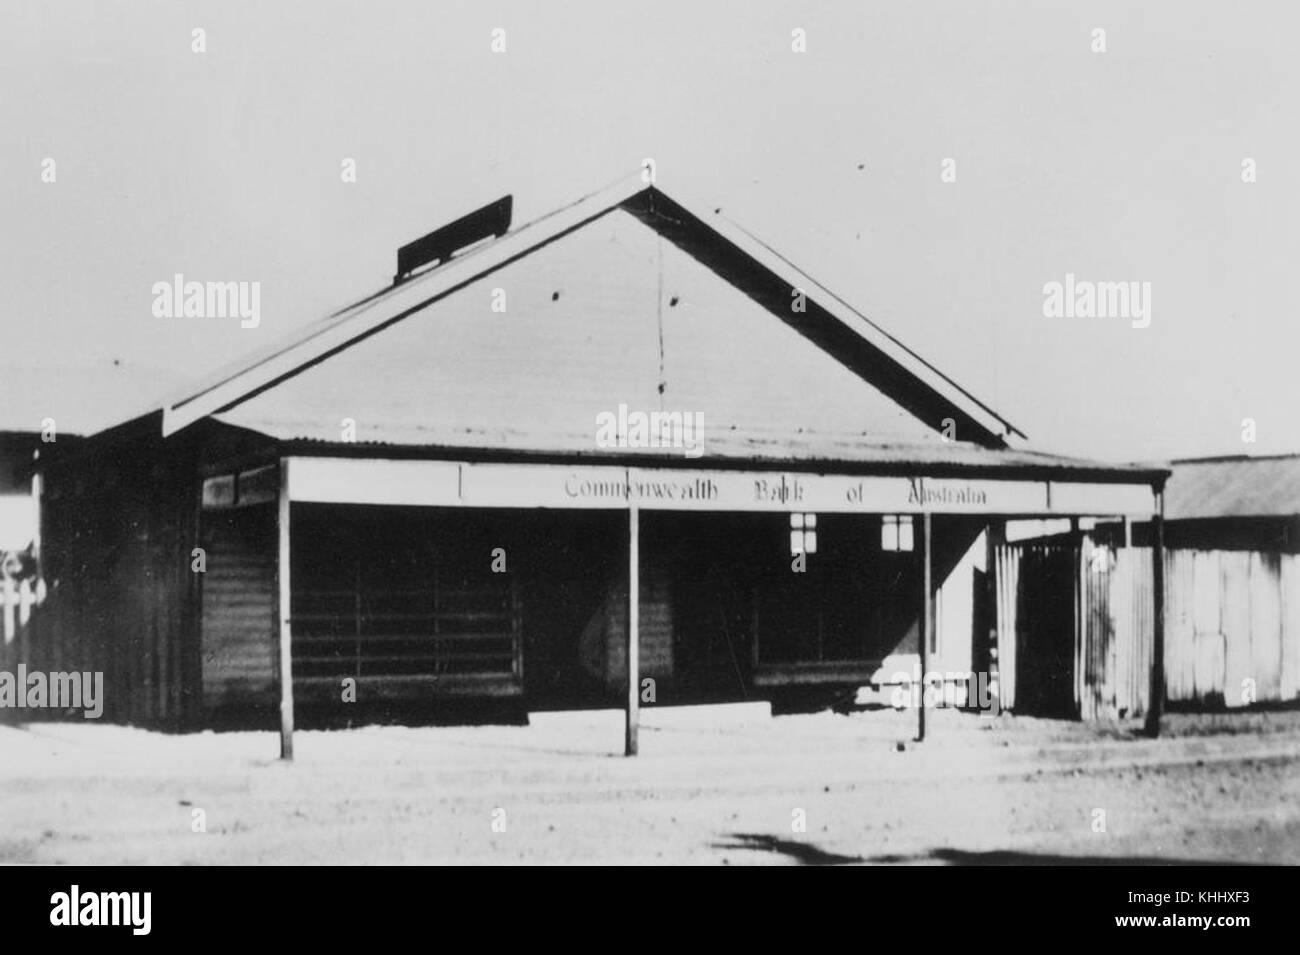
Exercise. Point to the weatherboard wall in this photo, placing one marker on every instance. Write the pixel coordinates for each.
(239, 618)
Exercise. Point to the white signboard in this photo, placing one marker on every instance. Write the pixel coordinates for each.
(365, 481)
(543, 485)
(450, 484)
(1102, 499)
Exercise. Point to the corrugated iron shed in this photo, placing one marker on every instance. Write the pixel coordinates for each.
(1238, 486)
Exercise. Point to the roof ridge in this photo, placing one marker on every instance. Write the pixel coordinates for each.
(311, 343)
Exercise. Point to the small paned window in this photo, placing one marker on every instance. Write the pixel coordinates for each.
(803, 533)
(896, 532)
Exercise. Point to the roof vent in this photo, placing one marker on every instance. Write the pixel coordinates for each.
(439, 245)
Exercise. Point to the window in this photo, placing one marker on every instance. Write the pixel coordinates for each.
(803, 533)
(257, 486)
(896, 532)
(219, 491)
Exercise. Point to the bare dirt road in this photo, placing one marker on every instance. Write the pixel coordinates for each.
(708, 788)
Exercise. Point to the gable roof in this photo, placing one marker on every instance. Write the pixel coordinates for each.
(726, 249)
(1237, 486)
(532, 356)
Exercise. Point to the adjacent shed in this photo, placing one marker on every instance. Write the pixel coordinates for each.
(1234, 580)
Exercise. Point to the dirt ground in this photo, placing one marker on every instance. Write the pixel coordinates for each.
(728, 786)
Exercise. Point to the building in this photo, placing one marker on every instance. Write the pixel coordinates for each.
(1237, 502)
(1233, 529)
(45, 406)
(1079, 601)
(441, 492)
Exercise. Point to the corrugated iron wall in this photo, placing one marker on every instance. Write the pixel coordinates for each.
(1113, 643)
(1233, 627)
(1006, 579)
(1108, 594)
(1037, 621)
(118, 526)
(1232, 633)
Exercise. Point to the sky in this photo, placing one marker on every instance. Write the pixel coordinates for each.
(1122, 165)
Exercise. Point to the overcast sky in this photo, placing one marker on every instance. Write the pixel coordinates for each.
(1117, 166)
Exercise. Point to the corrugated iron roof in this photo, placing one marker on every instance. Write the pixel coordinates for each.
(723, 247)
(612, 316)
(729, 448)
(426, 364)
(1239, 486)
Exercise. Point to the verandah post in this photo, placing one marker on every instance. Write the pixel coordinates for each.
(1155, 706)
(633, 636)
(286, 632)
(927, 621)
